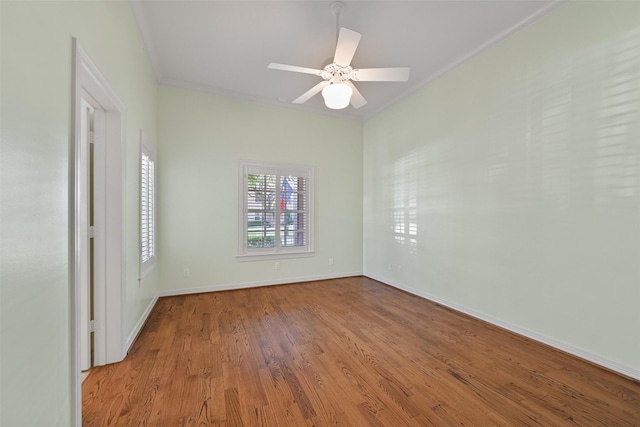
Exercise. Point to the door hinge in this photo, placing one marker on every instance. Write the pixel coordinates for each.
(92, 136)
(92, 231)
(92, 325)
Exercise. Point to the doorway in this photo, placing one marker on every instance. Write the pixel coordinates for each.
(96, 223)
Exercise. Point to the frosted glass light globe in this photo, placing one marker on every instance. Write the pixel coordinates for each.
(337, 96)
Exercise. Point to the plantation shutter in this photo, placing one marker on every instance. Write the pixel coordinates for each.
(147, 208)
(293, 210)
(276, 209)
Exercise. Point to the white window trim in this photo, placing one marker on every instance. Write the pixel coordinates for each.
(245, 254)
(147, 148)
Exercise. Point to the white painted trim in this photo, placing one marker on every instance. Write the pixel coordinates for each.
(138, 327)
(147, 147)
(87, 81)
(567, 348)
(92, 82)
(244, 253)
(524, 23)
(257, 284)
(74, 265)
(270, 256)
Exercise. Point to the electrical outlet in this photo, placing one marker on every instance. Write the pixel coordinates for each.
(186, 272)
(277, 265)
(330, 261)
(389, 266)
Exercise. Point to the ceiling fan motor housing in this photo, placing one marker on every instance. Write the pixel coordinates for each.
(337, 73)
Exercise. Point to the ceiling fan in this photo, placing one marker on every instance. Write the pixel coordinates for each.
(337, 86)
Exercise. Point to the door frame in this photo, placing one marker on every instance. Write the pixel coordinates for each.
(109, 301)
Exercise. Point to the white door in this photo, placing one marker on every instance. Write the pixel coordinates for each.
(86, 128)
(92, 222)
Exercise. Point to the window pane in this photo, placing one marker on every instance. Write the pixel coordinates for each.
(261, 192)
(261, 182)
(292, 193)
(260, 220)
(261, 198)
(293, 211)
(261, 239)
(292, 230)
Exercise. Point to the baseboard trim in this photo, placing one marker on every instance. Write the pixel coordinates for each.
(562, 346)
(256, 284)
(138, 328)
(559, 345)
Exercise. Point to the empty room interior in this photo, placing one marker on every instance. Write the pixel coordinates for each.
(192, 233)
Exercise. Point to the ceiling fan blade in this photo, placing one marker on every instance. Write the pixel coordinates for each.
(294, 68)
(345, 48)
(357, 100)
(399, 74)
(308, 94)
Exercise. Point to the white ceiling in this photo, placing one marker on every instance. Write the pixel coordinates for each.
(224, 47)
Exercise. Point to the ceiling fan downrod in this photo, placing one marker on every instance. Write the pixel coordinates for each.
(337, 7)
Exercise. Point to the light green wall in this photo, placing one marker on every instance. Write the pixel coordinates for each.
(524, 168)
(523, 165)
(202, 138)
(35, 131)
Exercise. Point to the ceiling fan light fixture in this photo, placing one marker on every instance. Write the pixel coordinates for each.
(337, 96)
(337, 88)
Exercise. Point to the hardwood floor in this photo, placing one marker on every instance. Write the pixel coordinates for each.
(345, 352)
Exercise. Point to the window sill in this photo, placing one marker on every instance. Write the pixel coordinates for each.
(272, 255)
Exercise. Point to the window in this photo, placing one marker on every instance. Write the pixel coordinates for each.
(147, 205)
(275, 211)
